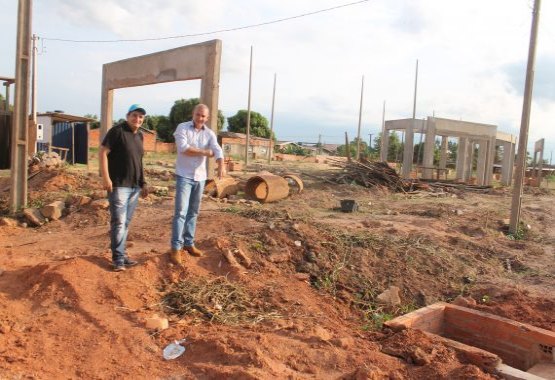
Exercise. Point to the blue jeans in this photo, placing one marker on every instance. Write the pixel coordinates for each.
(123, 201)
(188, 194)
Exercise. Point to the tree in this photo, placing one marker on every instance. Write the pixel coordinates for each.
(364, 151)
(452, 148)
(94, 124)
(296, 150)
(161, 124)
(418, 153)
(259, 124)
(3, 103)
(394, 149)
(182, 110)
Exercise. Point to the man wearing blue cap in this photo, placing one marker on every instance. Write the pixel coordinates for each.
(121, 166)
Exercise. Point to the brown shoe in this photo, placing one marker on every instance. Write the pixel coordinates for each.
(194, 251)
(175, 256)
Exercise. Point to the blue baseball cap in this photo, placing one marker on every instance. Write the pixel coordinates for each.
(136, 107)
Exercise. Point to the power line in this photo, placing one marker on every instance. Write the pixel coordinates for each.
(208, 33)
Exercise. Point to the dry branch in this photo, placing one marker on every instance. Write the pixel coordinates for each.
(368, 174)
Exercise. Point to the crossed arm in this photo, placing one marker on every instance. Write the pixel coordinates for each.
(192, 151)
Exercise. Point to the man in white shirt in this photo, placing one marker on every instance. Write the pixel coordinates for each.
(194, 142)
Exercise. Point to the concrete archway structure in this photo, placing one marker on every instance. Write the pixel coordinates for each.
(198, 61)
(485, 136)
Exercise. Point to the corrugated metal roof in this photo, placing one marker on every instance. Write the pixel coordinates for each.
(56, 116)
(240, 135)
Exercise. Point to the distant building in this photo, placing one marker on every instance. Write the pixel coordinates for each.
(233, 145)
(312, 148)
(66, 134)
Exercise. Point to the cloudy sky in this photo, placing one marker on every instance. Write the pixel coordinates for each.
(472, 59)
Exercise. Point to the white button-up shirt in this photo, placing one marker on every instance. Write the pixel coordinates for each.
(186, 136)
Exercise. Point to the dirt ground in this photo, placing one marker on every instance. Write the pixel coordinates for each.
(305, 308)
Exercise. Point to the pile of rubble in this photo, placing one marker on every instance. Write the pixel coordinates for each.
(41, 160)
(37, 216)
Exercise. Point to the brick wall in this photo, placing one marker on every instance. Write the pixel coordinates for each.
(93, 138)
(429, 318)
(165, 147)
(293, 157)
(150, 143)
(518, 344)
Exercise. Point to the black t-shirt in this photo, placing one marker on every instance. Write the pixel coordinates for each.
(125, 160)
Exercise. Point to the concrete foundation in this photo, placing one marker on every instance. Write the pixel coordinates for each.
(514, 350)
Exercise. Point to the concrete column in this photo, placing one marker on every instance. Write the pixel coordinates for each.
(384, 145)
(467, 173)
(7, 100)
(106, 105)
(507, 163)
(481, 165)
(461, 157)
(534, 172)
(538, 164)
(106, 114)
(488, 177)
(540, 168)
(429, 145)
(209, 94)
(408, 152)
(443, 152)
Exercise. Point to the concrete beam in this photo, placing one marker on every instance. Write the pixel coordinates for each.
(459, 128)
(505, 137)
(417, 125)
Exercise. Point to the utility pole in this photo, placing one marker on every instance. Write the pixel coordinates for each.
(34, 86)
(32, 148)
(20, 129)
(525, 122)
(347, 147)
(247, 140)
(370, 141)
(408, 157)
(360, 118)
(384, 143)
(272, 121)
(320, 144)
